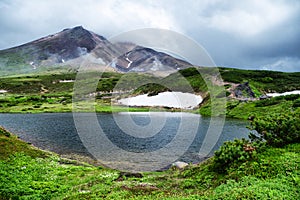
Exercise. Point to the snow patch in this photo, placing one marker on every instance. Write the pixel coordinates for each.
(3, 91)
(156, 65)
(129, 62)
(67, 81)
(165, 99)
(283, 94)
(33, 65)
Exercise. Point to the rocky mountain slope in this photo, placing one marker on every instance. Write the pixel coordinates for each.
(58, 48)
(70, 47)
(141, 59)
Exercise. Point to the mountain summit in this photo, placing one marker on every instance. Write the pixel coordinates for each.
(57, 48)
(68, 47)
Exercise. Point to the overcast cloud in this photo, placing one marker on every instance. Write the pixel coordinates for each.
(251, 34)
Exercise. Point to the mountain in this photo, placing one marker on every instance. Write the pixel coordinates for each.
(141, 59)
(57, 49)
(70, 47)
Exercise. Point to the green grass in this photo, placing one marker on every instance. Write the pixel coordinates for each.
(37, 93)
(28, 173)
(244, 110)
(263, 81)
(10, 144)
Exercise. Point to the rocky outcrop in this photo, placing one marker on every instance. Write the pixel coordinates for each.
(244, 90)
(180, 165)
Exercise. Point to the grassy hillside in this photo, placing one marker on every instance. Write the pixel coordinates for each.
(244, 110)
(53, 92)
(264, 81)
(10, 144)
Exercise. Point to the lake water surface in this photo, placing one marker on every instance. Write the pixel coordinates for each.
(57, 132)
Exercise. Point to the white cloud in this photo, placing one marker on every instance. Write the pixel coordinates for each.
(287, 64)
(112, 14)
(252, 17)
(232, 31)
(110, 17)
(106, 17)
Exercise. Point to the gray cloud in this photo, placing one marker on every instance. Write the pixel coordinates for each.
(246, 34)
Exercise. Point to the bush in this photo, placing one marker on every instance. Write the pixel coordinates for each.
(267, 80)
(267, 102)
(296, 103)
(4, 101)
(233, 153)
(189, 72)
(277, 129)
(291, 97)
(34, 98)
(37, 106)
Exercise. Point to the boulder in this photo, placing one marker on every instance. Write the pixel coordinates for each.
(180, 164)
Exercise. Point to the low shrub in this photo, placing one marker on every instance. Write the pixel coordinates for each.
(37, 106)
(34, 98)
(234, 153)
(292, 97)
(296, 103)
(277, 129)
(267, 102)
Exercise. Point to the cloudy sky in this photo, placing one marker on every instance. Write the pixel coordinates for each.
(250, 34)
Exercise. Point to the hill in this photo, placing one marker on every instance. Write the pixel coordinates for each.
(52, 92)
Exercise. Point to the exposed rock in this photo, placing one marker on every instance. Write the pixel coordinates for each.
(251, 118)
(244, 91)
(180, 164)
(262, 97)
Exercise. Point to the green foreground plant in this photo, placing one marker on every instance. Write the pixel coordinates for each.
(277, 129)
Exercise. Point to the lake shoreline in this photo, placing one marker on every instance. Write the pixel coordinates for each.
(64, 139)
(124, 109)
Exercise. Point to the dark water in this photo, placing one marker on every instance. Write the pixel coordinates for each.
(57, 132)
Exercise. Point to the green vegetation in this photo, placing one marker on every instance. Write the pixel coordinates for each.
(260, 108)
(53, 92)
(10, 144)
(265, 167)
(273, 175)
(232, 153)
(260, 82)
(241, 169)
(278, 129)
(264, 81)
